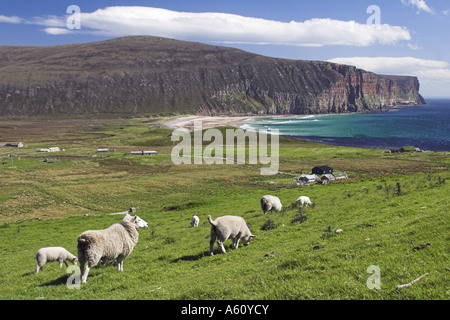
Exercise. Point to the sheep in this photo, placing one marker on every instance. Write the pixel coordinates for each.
(114, 243)
(51, 254)
(269, 203)
(194, 221)
(226, 227)
(304, 200)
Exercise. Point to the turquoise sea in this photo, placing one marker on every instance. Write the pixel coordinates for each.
(425, 127)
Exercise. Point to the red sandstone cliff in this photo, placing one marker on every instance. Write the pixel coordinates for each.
(133, 76)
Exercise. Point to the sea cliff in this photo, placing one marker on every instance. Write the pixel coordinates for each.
(144, 76)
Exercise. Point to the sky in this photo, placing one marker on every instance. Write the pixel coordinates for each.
(402, 37)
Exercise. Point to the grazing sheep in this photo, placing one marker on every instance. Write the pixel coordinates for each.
(269, 203)
(114, 243)
(304, 200)
(194, 221)
(227, 227)
(51, 254)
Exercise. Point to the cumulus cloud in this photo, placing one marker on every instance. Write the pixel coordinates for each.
(227, 28)
(231, 28)
(419, 4)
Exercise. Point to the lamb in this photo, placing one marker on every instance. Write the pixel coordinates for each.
(269, 203)
(304, 200)
(226, 227)
(51, 254)
(114, 243)
(194, 221)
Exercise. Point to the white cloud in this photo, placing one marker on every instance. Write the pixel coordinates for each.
(231, 28)
(398, 65)
(434, 75)
(57, 31)
(13, 19)
(419, 4)
(223, 27)
(49, 21)
(414, 47)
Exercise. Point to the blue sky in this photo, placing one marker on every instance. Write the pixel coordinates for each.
(410, 37)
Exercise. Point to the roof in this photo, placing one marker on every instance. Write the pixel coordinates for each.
(322, 169)
(308, 177)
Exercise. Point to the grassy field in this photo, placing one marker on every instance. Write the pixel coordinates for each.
(390, 206)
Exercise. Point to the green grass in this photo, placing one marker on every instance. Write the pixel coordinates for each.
(45, 204)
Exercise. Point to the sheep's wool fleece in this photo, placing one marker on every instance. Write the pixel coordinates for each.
(52, 254)
(117, 240)
(231, 224)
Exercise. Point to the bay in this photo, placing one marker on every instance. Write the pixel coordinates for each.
(425, 127)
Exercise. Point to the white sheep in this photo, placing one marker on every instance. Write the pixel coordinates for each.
(51, 254)
(114, 243)
(194, 221)
(269, 203)
(226, 227)
(304, 200)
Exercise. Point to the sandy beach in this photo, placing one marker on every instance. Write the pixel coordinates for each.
(206, 121)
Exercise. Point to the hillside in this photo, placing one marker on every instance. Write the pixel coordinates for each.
(390, 208)
(144, 75)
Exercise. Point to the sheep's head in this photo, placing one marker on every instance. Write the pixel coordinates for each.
(74, 260)
(139, 223)
(246, 240)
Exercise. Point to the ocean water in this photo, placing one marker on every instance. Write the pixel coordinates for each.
(425, 127)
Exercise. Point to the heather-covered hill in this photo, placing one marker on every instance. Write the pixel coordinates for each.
(142, 75)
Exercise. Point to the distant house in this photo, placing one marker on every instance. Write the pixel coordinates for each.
(143, 153)
(328, 177)
(308, 178)
(52, 149)
(14, 144)
(106, 150)
(322, 170)
(340, 175)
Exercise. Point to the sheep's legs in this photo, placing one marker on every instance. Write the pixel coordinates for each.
(220, 243)
(85, 273)
(211, 244)
(120, 266)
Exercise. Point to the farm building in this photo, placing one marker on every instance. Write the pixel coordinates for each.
(14, 144)
(52, 149)
(327, 177)
(307, 178)
(106, 150)
(322, 170)
(340, 175)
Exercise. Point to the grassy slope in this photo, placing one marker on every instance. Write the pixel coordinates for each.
(44, 204)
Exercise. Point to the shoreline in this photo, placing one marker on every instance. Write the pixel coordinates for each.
(236, 121)
(239, 122)
(208, 122)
